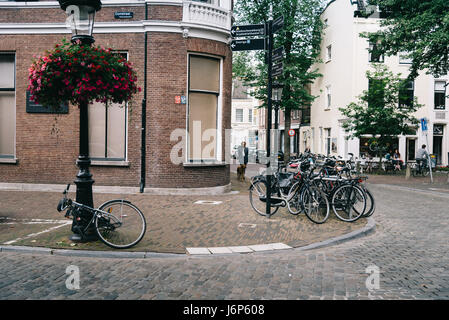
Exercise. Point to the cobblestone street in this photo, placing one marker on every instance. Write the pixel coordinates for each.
(410, 248)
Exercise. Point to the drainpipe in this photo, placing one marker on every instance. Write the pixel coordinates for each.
(144, 113)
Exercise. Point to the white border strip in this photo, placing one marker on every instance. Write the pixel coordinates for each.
(238, 249)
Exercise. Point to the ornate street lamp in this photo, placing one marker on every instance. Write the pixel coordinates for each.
(276, 97)
(81, 17)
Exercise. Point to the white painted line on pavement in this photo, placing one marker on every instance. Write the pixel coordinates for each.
(208, 202)
(38, 233)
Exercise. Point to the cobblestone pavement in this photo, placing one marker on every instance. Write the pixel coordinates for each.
(410, 248)
(174, 222)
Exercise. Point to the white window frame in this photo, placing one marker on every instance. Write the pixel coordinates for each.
(439, 91)
(404, 60)
(328, 98)
(329, 53)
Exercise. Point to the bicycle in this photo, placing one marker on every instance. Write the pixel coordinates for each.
(302, 194)
(118, 223)
(420, 168)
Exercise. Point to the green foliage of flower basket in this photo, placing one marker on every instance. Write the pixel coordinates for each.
(81, 74)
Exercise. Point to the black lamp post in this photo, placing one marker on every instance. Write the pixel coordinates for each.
(277, 96)
(81, 17)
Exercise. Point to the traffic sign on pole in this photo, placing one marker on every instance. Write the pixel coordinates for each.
(278, 54)
(278, 24)
(251, 30)
(423, 124)
(278, 69)
(248, 44)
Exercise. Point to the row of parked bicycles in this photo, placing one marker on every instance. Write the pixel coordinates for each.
(314, 185)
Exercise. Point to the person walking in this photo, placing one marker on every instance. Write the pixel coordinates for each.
(243, 159)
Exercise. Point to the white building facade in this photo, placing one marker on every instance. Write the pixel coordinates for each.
(244, 117)
(345, 60)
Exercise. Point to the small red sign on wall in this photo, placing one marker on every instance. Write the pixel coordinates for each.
(177, 99)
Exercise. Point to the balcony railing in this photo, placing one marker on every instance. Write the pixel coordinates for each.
(215, 13)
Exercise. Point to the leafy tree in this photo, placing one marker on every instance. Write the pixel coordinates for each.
(418, 27)
(301, 39)
(384, 111)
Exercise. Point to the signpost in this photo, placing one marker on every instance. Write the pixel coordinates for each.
(424, 129)
(248, 44)
(266, 30)
(251, 30)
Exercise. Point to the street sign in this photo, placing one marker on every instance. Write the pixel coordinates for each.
(248, 44)
(278, 54)
(278, 23)
(423, 124)
(291, 132)
(251, 30)
(277, 69)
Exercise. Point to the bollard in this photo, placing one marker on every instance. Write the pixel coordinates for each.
(407, 172)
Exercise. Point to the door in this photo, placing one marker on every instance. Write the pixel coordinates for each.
(438, 142)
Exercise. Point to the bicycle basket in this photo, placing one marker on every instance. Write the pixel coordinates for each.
(285, 179)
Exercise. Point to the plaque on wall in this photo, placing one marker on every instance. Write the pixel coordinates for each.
(33, 107)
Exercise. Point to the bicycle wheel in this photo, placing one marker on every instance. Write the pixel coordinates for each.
(122, 227)
(316, 204)
(295, 205)
(258, 198)
(348, 203)
(371, 203)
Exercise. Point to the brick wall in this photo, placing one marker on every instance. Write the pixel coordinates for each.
(47, 145)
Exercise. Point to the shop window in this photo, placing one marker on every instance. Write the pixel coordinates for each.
(204, 93)
(7, 105)
(108, 130)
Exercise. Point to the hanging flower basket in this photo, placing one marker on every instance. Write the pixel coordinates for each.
(73, 73)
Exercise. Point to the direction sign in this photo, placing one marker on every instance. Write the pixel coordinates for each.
(250, 30)
(248, 44)
(277, 69)
(278, 23)
(278, 54)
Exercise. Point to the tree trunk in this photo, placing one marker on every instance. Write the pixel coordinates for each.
(287, 125)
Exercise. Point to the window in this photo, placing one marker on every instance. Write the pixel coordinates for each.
(376, 93)
(238, 115)
(108, 130)
(204, 93)
(374, 54)
(406, 94)
(327, 141)
(328, 98)
(7, 105)
(250, 115)
(440, 95)
(404, 59)
(328, 53)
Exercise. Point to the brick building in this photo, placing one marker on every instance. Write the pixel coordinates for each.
(188, 88)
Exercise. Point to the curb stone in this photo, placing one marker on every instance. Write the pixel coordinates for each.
(367, 229)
